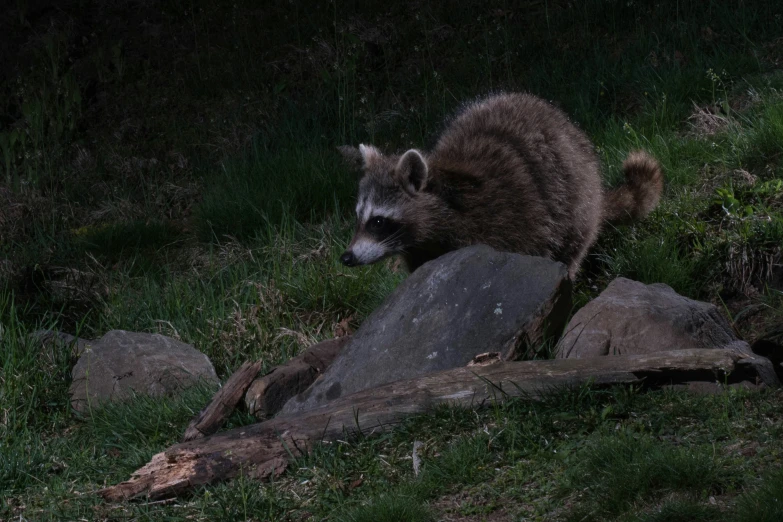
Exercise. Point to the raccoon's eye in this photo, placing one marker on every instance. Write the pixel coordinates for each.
(376, 223)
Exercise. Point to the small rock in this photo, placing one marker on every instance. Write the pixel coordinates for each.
(469, 301)
(633, 318)
(121, 364)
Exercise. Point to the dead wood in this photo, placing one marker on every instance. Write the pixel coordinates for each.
(267, 395)
(223, 403)
(263, 449)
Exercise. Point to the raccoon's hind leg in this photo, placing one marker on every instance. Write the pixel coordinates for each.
(573, 268)
(576, 261)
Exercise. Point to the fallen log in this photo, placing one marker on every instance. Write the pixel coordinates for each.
(263, 449)
(211, 418)
(266, 395)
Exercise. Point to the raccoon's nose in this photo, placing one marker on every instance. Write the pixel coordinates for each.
(348, 259)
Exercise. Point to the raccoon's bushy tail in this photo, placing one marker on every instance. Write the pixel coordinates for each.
(640, 193)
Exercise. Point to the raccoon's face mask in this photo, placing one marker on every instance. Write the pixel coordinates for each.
(387, 186)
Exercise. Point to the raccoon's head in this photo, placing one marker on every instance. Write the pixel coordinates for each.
(385, 208)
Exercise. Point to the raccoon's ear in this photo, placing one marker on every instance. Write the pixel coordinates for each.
(369, 154)
(411, 171)
(364, 156)
(352, 156)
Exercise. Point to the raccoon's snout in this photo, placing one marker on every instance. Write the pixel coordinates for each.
(348, 259)
(363, 252)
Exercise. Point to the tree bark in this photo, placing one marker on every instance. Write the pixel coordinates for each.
(263, 449)
(223, 403)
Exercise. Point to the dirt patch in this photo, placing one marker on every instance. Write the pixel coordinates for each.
(708, 120)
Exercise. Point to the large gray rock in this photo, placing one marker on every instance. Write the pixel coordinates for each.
(121, 364)
(466, 302)
(633, 318)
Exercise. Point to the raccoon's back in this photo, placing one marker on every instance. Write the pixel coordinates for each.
(487, 132)
(524, 177)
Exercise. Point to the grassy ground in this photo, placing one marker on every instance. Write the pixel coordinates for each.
(170, 167)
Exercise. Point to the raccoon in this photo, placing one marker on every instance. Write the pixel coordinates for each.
(510, 171)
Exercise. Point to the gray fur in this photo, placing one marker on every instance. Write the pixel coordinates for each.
(510, 171)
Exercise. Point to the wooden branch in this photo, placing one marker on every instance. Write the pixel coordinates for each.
(267, 395)
(223, 403)
(263, 449)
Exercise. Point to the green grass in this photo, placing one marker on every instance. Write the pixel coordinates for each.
(656, 260)
(623, 469)
(387, 508)
(33, 392)
(194, 190)
(252, 195)
(765, 504)
(244, 302)
(683, 511)
(121, 239)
